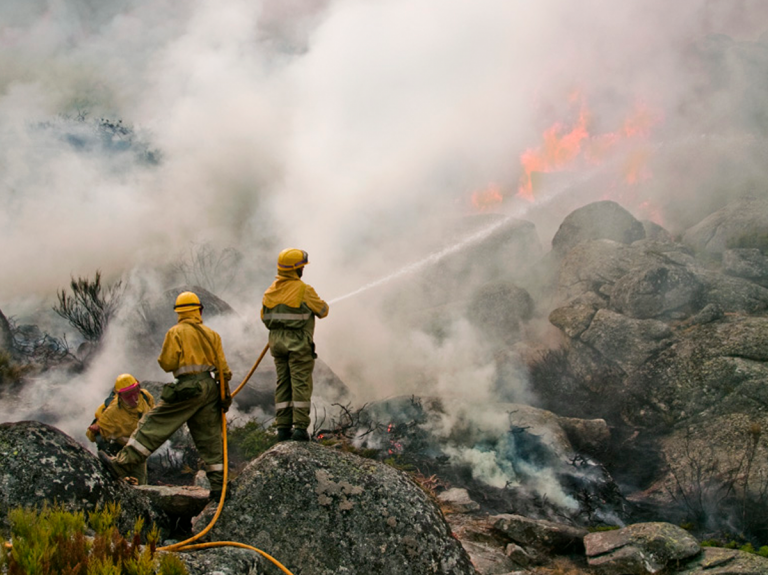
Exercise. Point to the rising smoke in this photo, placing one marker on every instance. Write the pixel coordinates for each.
(355, 130)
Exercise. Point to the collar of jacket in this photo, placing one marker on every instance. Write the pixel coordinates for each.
(190, 316)
(287, 275)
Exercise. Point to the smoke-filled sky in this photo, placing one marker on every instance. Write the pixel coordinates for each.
(353, 129)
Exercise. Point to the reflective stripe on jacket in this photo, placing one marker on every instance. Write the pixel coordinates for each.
(187, 350)
(289, 303)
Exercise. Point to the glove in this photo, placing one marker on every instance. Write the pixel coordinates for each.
(226, 403)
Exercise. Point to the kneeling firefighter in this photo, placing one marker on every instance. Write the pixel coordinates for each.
(116, 419)
(289, 308)
(192, 352)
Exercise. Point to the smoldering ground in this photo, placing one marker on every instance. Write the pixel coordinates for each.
(358, 131)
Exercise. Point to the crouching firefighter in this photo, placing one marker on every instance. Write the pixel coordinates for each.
(289, 308)
(192, 352)
(116, 419)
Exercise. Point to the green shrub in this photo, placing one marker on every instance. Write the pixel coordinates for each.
(249, 441)
(748, 547)
(52, 541)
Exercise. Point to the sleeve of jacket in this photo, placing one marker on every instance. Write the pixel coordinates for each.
(313, 301)
(88, 433)
(149, 398)
(222, 358)
(111, 425)
(170, 355)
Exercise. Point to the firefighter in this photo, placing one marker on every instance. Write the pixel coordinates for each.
(117, 418)
(192, 352)
(289, 308)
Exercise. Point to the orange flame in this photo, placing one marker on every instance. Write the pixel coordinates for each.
(563, 149)
(487, 199)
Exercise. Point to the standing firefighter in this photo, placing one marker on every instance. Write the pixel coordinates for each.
(288, 310)
(116, 419)
(192, 351)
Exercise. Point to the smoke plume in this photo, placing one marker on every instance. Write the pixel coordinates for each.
(358, 131)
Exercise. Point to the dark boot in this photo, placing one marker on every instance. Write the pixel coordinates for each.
(300, 435)
(284, 433)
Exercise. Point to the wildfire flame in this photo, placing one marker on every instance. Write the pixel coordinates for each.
(488, 199)
(565, 147)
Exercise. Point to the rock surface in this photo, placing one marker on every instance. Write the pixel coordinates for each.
(39, 464)
(640, 549)
(598, 220)
(321, 511)
(732, 226)
(542, 535)
(719, 561)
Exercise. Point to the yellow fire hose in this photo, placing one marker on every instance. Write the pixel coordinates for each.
(186, 545)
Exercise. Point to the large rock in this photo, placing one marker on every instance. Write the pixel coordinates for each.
(747, 263)
(226, 561)
(39, 464)
(574, 317)
(541, 535)
(719, 561)
(656, 290)
(717, 368)
(742, 223)
(595, 266)
(627, 342)
(498, 309)
(640, 549)
(731, 294)
(321, 511)
(599, 220)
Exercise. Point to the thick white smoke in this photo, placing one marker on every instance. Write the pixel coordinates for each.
(353, 129)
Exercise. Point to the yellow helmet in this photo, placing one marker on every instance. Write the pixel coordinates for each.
(187, 301)
(292, 259)
(124, 381)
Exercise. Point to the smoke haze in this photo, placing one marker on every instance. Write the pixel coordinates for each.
(357, 131)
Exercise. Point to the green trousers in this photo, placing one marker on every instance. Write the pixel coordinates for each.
(138, 471)
(197, 405)
(294, 355)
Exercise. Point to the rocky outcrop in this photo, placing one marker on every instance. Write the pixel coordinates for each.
(656, 290)
(226, 561)
(181, 502)
(640, 549)
(719, 561)
(40, 464)
(598, 220)
(717, 368)
(747, 263)
(541, 535)
(739, 224)
(627, 342)
(321, 511)
(668, 345)
(498, 309)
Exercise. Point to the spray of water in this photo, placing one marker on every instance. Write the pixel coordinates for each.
(541, 200)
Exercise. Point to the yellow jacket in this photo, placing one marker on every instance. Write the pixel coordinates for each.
(117, 421)
(289, 303)
(187, 350)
